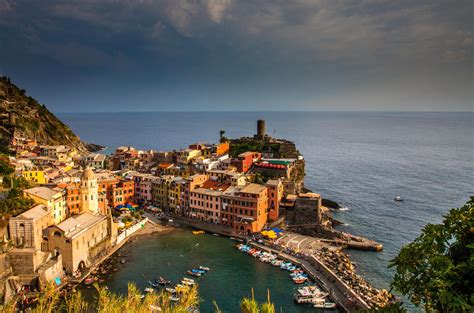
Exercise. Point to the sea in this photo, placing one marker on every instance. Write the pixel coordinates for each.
(362, 160)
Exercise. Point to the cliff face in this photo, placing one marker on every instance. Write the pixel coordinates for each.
(23, 116)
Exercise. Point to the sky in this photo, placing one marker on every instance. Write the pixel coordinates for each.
(240, 55)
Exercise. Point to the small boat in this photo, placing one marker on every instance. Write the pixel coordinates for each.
(195, 274)
(162, 281)
(198, 232)
(152, 284)
(188, 279)
(398, 198)
(217, 235)
(204, 268)
(321, 303)
(195, 270)
(171, 290)
(148, 289)
(187, 282)
(174, 298)
(88, 280)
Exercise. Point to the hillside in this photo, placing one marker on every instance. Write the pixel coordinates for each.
(23, 116)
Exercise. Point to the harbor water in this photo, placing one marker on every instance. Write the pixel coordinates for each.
(362, 160)
(232, 273)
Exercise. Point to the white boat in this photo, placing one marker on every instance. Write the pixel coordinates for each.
(204, 268)
(398, 198)
(322, 304)
(172, 290)
(174, 298)
(309, 294)
(148, 289)
(188, 279)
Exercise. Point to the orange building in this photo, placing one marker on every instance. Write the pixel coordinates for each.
(275, 194)
(222, 148)
(116, 191)
(245, 160)
(245, 209)
(121, 193)
(73, 197)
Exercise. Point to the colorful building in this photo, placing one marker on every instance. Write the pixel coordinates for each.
(35, 175)
(53, 198)
(245, 161)
(245, 209)
(275, 194)
(160, 188)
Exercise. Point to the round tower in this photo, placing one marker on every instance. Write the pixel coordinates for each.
(260, 129)
(89, 192)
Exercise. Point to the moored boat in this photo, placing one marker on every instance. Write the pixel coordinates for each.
(162, 281)
(204, 268)
(89, 280)
(174, 298)
(195, 274)
(187, 282)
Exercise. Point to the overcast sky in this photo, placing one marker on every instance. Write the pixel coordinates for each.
(238, 55)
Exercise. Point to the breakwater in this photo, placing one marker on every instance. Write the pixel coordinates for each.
(345, 297)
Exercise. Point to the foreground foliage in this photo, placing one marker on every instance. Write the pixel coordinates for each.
(250, 305)
(50, 301)
(436, 270)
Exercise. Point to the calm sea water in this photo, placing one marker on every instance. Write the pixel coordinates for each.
(233, 274)
(361, 160)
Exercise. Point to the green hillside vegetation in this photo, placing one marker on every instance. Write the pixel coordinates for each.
(25, 116)
(13, 202)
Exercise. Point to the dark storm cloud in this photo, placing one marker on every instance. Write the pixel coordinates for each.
(240, 55)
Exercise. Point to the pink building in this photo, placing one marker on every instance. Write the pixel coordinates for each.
(205, 202)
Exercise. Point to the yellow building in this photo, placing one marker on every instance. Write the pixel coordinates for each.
(53, 198)
(176, 194)
(186, 155)
(35, 175)
(159, 191)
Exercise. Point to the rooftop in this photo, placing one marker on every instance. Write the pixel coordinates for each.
(75, 225)
(35, 212)
(209, 192)
(273, 182)
(43, 192)
(253, 189)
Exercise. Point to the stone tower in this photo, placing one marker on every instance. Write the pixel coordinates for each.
(89, 192)
(260, 129)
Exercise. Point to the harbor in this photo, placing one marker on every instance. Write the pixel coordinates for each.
(232, 274)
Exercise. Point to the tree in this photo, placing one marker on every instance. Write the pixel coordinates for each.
(5, 167)
(436, 270)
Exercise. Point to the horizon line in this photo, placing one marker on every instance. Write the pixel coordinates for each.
(248, 111)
